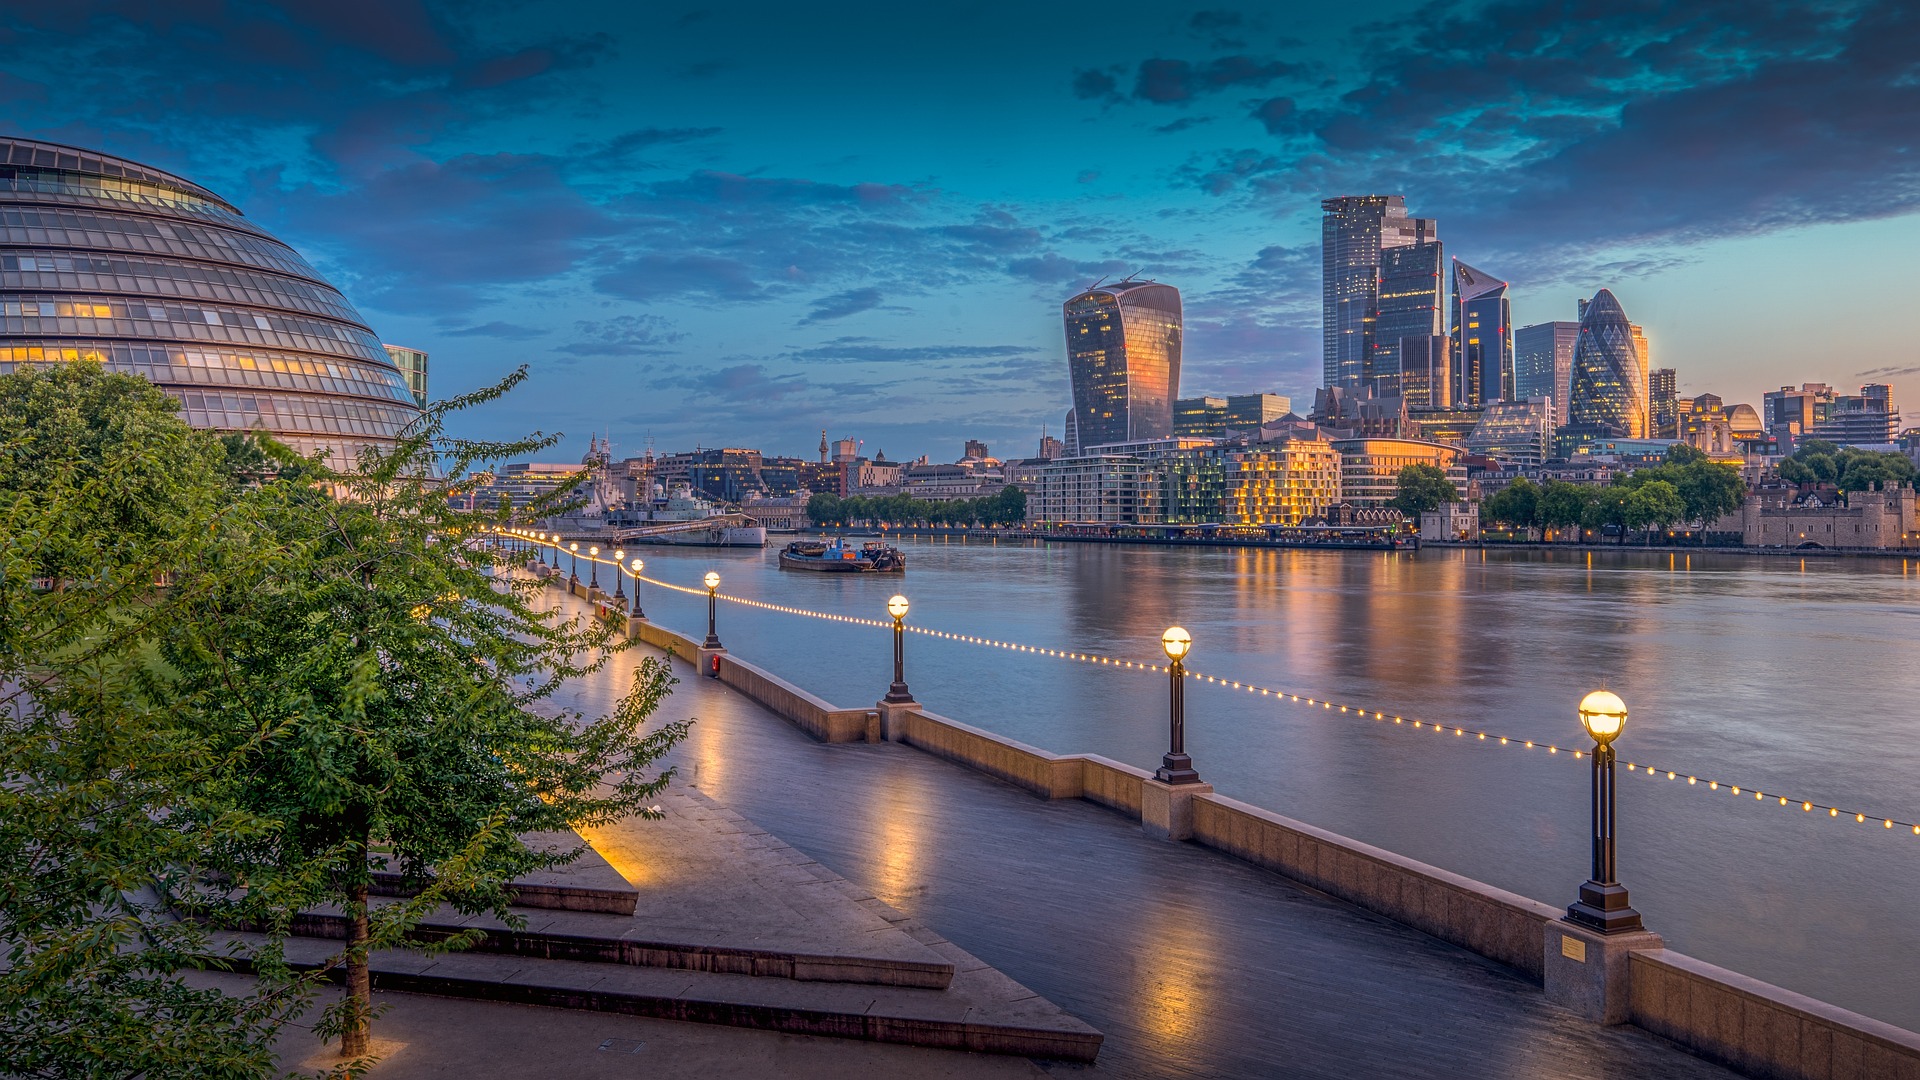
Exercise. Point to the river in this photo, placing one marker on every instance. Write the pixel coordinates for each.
(1793, 677)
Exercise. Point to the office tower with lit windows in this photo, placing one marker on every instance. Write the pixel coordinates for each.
(1608, 393)
(413, 365)
(1426, 372)
(1543, 364)
(1354, 231)
(1663, 403)
(150, 274)
(1123, 358)
(1482, 337)
(1413, 303)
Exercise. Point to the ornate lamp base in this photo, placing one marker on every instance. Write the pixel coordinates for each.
(1604, 908)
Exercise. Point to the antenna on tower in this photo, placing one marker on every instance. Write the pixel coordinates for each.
(1096, 284)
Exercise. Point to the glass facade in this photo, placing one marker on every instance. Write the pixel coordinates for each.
(1354, 231)
(1482, 337)
(1281, 483)
(412, 364)
(1370, 468)
(1609, 393)
(1663, 404)
(1199, 417)
(1413, 304)
(150, 274)
(1543, 363)
(1515, 432)
(1123, 356)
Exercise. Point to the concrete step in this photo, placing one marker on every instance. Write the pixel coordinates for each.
(981, 1010)
(881, 956)
(587, 883)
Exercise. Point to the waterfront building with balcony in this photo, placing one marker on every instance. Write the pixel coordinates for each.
(1370, 468)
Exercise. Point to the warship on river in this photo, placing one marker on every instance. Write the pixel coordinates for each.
(841, 556)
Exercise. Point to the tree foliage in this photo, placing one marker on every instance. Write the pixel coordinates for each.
(1422, 488)
(1007, 507)
(1847, 468)
(337, 680)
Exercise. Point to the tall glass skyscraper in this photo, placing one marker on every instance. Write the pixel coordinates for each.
(1543, 364)
(1123, 356)
(413, 365)
(1354, 230)
(1663, 403)
(1413, 304)
(1482, 337)
(109, 260)
(1608, 388)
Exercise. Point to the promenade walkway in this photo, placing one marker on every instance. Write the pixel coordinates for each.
(1191, 963)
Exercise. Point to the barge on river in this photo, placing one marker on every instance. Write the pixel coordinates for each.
(843, 556)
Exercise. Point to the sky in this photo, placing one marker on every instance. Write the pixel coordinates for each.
(738, 225)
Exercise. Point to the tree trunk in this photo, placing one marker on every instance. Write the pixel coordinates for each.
(353, 1031)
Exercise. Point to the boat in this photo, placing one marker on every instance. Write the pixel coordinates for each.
(684, 518)
(842, 556)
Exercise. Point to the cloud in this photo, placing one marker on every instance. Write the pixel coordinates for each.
(623, 335)
(1096, 86)
(842, 304)
(862, 350)
(1164, 82)
(505, 331)
(1887, 372)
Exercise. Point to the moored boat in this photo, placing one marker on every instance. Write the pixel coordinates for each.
(840, 556)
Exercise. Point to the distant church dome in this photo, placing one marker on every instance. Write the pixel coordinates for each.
(106, 259)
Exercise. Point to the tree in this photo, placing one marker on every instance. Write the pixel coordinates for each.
(824, 507)
(110, 786)
(1682, 454)
(1564, 505)
(1422, 488)
(1517, 504)
(1653, 505)
(1607, 508)
(397, 679)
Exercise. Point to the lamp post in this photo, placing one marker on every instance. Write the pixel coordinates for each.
(619, 581)
(713, 583)
(898, 692)
(593, 567)
(1603, 900)
(1177, 767)
(637, 567)
(573, 562)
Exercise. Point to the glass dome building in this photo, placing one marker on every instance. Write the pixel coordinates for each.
(153, 275)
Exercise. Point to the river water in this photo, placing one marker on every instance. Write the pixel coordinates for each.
(1793, 677)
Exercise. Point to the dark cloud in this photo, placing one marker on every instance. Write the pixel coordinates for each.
(504, 331)
(842, 304)
(1183, 124)
(1096, 86)
(1166, 82)
(1887, 372)
(623, 335)
(653, 275)
(863, 350)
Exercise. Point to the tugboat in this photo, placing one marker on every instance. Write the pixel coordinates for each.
(840, 556)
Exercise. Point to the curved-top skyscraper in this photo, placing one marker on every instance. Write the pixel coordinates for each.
(1123, 355)
(1608, 387)
(153, 275)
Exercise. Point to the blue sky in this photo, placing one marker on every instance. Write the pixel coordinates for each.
(740, 224)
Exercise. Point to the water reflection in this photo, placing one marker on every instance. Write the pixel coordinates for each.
(1786, 674)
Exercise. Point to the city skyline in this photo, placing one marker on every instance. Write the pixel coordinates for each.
(717, 267)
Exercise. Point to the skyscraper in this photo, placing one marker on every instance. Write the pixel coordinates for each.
(1608, 390)
(1353, 233)
(1482, 337)
(1413, 303)
(1543, 363)
(413, 365)
(1123, 356)
(1663, 403)
(1426, 378)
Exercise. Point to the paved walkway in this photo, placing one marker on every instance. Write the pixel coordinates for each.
(1193, 964)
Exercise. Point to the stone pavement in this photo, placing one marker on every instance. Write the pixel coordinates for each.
(1192, 964)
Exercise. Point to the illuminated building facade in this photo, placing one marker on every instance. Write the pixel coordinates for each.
(1609, 396)
(1370, 468)
(1277, 483)
(1482, 337)
(1543, 363)
(1426, 372)
(1123, 356)
(413, 366)
(1515, 432)
(1354, 231)
(152, 275)
(1663, 403)
(1413, 304)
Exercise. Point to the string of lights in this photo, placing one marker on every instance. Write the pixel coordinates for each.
(1706, 784)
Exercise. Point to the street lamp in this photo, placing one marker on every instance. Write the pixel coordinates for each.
(1603, 900)
(1177, 767)
(898, 692)
(713, 583)
(593, 567)
(637, 567)
(573, 562)
(620, 582)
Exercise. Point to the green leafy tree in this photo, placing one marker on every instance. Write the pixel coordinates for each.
(824, 507)
(1682, 454)
(400, 675)
(1422, 488)
(1653, 506)
(1607, 509)
(1563, 505)
(1517, 504)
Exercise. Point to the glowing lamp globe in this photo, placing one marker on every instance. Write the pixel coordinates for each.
(594, 552)
(713, 579)
(1176, 641)
(897, 607)
(1603, 714)
(573, 547)
(638, 566)
(620, 556)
